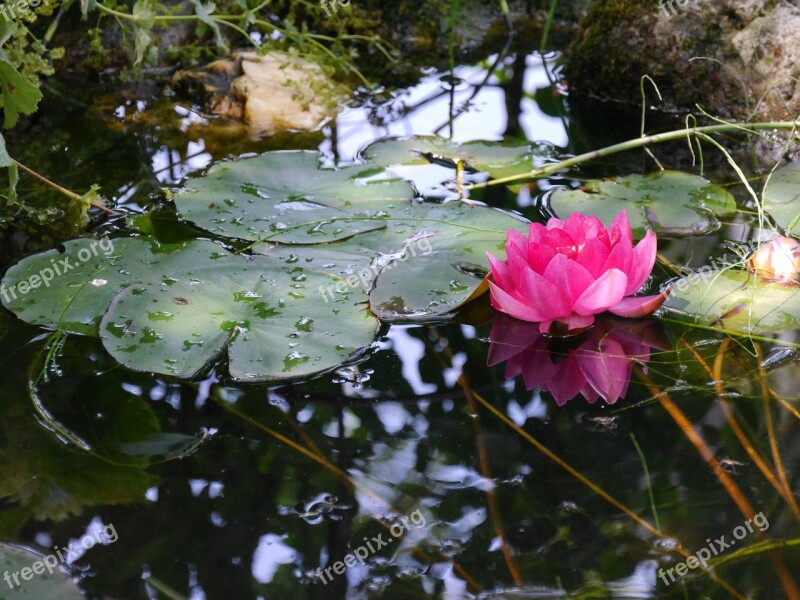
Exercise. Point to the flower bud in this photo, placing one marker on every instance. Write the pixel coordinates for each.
(777, 260)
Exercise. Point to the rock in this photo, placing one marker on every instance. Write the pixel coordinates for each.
(271, 93)
(735, 58)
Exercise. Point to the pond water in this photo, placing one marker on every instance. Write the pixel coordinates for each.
(450, 461)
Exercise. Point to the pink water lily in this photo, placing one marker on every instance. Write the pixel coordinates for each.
(596, 364)
(565, 273)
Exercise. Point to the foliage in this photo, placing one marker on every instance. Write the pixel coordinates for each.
(329, 240)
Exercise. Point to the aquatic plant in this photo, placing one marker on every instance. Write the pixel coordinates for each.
(567, 272)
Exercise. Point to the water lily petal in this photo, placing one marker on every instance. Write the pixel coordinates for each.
(573, 226)
(536, 232)
(620, 257)
(500, 273)
(583, 230)
(620, 229)
(644, 258)
(506, 303)
(562, 242)
(605, 292)
(639, 306)
(569, 276)
(515, 239)
(539, 256)
(593, 256)
(549, 300)
(517, 264)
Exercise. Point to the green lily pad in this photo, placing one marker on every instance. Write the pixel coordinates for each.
(173, 310)
(292, 310)
(735, 300)
(444, 264)
(71, 290)
(428, 261)
(498, 159)
(391, 230)
(782, 197)
(284, 197)
(274, 323)
(45, 583)
(671, 203)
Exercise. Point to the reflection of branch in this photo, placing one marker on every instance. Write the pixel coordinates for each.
(491, 498)
(500, 57)
(708, 455)
(596, 488)
(757, 459)
(773, 442)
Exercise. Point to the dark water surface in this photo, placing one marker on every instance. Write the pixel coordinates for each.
(442, 478)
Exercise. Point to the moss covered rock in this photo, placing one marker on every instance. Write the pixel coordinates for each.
(733, 58)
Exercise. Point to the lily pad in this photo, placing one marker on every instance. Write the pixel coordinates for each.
(671, 203)
(44, 583)
(70, 290)
(735, 300)
(390, 230)
(445, 265)
(284, 197)
(292, 310)
(428, 261)
(174, 310)
(498, 159)
(274, 323)
(782, 197)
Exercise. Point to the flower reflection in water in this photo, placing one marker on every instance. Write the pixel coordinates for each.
(597, 363)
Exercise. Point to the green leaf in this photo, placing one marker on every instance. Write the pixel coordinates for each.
(203, 12)
(5, 157)
(781, 197)
(20, 96)
(13, 172)
(498, 159)
(735, 300)
(173, 308)
(671, 203)
(55, 585)
(443, 264)
(273, 322)
(72, 294)
(283, 197)
(299, 307)
(143, 25)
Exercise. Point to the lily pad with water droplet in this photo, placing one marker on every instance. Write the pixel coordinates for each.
(671, 203)
(735, 300)
(71, 290)
(442, 264)
(782, 197)
(284, 197)
(428, 261)
(174, 309)
(270, 325)
(498, 159)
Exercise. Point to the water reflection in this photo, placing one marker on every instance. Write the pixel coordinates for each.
(598, 363)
